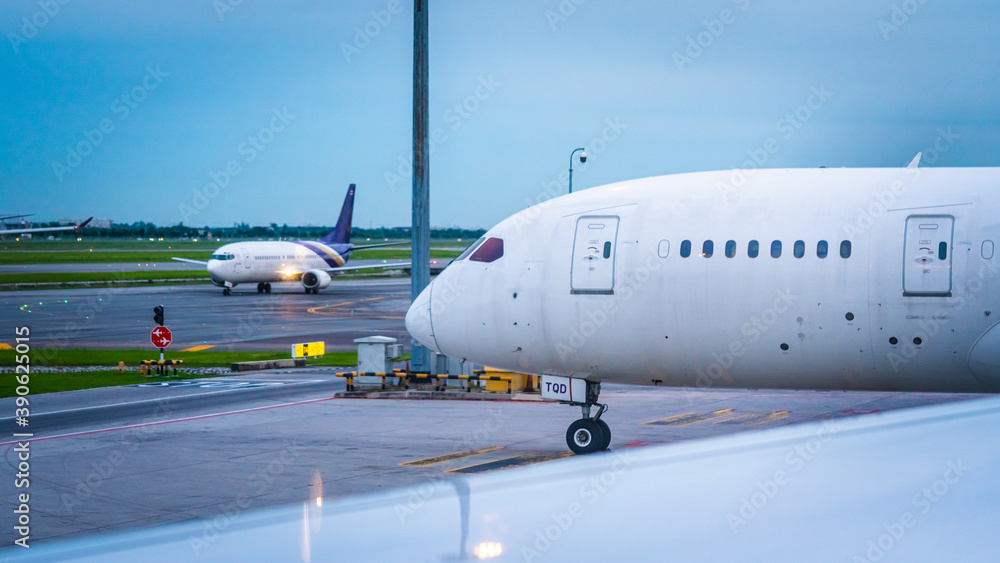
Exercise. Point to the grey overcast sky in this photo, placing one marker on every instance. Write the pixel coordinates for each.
(130, 110)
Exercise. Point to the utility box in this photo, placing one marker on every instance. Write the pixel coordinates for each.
(517, 381)
(375, 355)
(453, 366)
(394, 351)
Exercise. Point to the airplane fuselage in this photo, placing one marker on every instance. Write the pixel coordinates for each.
(881, 279)
(273, 261)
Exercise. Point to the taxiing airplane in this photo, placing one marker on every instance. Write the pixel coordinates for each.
(311, 262)
(16, 231)
(852, 279)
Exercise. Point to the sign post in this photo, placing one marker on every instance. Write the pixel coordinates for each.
(160, 336)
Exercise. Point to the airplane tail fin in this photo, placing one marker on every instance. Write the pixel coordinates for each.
(342, 232)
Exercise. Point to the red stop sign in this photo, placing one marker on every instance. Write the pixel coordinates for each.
(160, 337)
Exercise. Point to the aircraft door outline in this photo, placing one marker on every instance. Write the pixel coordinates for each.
(927, 255)
(246, 257)
(592, 271)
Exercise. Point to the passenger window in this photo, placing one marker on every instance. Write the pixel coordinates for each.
(663, 249)
(822, 249)
(607, 249)
(707, 249)
(942, 250)
(685, 248)
(753, 249)
(845, 249)
(731, 249)
(800, 249)
(490, 251)
(776, 249)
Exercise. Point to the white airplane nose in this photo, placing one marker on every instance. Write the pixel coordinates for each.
(213, 268)
(419, 322)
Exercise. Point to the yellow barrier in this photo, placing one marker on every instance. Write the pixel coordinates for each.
(161, 366)
(502, 381)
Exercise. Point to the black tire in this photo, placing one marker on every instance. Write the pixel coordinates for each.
(267, 288)
(226, 291)
(260, 288)
(584, 436)
(606, 431)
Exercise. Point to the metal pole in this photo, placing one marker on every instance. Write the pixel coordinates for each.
(571, 167)
(420, 231)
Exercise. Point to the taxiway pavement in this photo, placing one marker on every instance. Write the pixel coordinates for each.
(199, 315)
(108, 460)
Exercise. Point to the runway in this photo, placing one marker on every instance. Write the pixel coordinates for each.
(108, 460)
(199, 314)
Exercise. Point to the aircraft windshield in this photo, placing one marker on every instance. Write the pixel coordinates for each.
(224, 256)
(489, 251)
(472, 248)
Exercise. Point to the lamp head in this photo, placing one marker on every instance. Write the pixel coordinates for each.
(583, 156)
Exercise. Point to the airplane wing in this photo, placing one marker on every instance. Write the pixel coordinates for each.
(369, 267)
(45, 229)
(380, 245)
(911, 485)
(202, 262)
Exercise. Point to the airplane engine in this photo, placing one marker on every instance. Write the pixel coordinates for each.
(315, 280)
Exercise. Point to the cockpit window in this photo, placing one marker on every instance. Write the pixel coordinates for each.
(490, 251)
(472, 248)
(225, 256)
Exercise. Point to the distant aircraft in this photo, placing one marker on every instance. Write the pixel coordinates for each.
(16, 231)
(867, 279)
(311, 262)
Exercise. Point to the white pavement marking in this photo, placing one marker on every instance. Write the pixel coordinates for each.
(157, 423)
(4, 419)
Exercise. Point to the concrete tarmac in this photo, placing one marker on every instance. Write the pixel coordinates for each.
(199, 314)
(109, 460)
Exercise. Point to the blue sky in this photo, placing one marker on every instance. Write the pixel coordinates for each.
(299, 98)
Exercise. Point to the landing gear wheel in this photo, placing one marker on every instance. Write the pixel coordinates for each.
(226, 291)
(260, 288)
(267, 288)
(585, 436)
(308, 291)
(606, 431)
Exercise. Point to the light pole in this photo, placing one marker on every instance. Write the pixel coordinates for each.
(583, 158)
(420, 359)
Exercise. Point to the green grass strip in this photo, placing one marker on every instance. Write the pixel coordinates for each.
(205, 358)
(398, 254)
(72, 381)
(86, 257)
(61, 277)
(151, 257)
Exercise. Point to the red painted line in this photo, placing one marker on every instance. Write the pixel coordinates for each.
(157, 423)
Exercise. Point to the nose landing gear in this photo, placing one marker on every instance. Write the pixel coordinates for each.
(588, 435)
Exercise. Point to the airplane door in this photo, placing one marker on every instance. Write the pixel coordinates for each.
(246, 257)
(593, 267)
(927, 255)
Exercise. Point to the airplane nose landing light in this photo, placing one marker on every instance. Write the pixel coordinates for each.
(419, 322)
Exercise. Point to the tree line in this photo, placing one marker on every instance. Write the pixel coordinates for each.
(142, 229)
